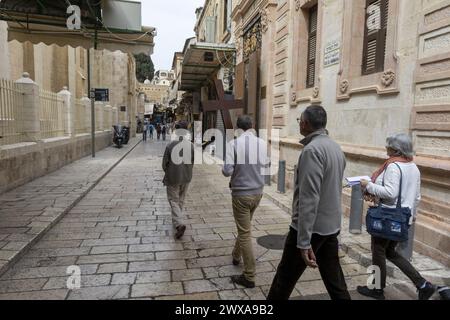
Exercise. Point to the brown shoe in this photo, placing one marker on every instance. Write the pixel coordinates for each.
(180, 231)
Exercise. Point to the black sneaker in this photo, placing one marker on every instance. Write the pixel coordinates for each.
(180, 231)
(241, 280)
(427, 291)
(236, 262)
(444, 292)
(377, 294)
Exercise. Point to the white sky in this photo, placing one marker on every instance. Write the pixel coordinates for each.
(175, 21)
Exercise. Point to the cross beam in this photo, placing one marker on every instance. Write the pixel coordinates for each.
(222, 104)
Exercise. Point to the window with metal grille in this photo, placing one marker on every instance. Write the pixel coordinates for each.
(375, 36)
(312, 47)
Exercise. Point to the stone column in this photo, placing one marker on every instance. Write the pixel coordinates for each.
(68, 112)
(87, 113)
(31, 108)
(108, 121)
(115, 117)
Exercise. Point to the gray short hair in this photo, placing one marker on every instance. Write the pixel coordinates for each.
(244, 122)
(402, 143)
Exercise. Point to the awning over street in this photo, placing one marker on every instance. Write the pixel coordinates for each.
(131, 42)
(47, 23)
(201, 61)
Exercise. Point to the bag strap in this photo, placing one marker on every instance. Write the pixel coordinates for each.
(399, 200)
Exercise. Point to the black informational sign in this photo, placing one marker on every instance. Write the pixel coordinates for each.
(102, 95)
(123, 109)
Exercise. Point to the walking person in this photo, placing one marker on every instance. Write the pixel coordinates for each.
(317, 213)
(164, 131)
(178, 176)
(385, 191)
(247, 184)
(144, 131)
(151, 129)
(158, 131)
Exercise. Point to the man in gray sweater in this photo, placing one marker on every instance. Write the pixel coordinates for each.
(178, 162)
(246, 163)
(317, 212)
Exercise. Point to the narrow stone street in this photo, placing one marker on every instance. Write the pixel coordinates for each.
(121, 237)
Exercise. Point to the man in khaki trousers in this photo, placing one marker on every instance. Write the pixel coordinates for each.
(246, 162)
(178, 162)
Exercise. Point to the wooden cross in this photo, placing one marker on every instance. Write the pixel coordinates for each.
(223, 104)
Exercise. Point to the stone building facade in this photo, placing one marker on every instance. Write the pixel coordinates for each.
(53, 67)
(378, 67)
(56, 77)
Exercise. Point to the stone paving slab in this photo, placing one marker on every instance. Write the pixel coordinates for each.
(29, 211)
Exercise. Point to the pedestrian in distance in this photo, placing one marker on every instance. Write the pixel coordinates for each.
(384, 190)
(144, 131)
(151, 129)
(178, 168)
(317, 212)
(158, 131)
(246, 184)
(164, 132)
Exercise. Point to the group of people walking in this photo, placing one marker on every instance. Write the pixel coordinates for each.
(312, 240)
(162, 130)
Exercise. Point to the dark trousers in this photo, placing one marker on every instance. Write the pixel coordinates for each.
(144, 135)
(382, 249)
(292, 267)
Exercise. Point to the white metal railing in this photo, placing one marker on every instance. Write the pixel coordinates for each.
(80, 117)
(11, 112)
(51, 115)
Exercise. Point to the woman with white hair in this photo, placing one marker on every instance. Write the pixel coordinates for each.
(384, 189)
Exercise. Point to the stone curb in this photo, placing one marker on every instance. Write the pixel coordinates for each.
(10, 263)
(365, 259)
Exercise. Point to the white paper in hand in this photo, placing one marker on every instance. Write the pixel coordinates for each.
(354, 181)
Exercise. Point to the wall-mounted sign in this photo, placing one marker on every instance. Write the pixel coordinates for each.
(332, 54)
(102, 95)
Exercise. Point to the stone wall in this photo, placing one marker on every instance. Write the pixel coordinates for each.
(410, 96)
(22, 163)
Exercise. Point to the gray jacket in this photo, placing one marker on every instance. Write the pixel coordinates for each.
(246, 163)
(317, 206)
(178, 167)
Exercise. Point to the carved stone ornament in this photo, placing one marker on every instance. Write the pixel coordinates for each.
(298, 5)
(316, 92)
(388, 78)
(264, 21)
(238, 46)
(344, 86)
(294, 97)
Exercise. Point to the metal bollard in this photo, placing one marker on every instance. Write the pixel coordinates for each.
(282, 177)
(405, 249)
(356, 210)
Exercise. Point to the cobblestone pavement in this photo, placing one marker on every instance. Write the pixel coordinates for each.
(121, 237)
(29, 211)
